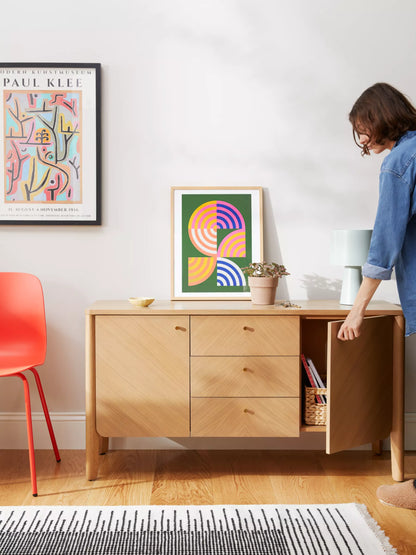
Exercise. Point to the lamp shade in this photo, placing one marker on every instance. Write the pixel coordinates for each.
(349, 247)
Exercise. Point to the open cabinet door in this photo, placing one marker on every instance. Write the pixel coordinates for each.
(359, 375)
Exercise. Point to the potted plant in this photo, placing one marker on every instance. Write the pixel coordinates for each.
(263, 278)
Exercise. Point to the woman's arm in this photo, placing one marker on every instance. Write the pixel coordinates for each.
(386, 243)
(350, 329)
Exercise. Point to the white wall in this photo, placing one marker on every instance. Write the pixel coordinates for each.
(218, 92)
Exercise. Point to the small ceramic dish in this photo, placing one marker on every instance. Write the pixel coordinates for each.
(141, 301)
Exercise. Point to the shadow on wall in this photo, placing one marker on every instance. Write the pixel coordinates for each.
(317, 287)
(272, 252)
(320, 287)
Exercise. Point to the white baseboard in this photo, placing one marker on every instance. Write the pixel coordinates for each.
(69, 428)
(70, 434)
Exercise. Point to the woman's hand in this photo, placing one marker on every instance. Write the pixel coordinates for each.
(350, 329)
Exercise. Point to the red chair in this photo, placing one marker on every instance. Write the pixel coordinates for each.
(23, 344)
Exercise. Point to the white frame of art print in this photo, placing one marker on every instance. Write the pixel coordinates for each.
(221, 236)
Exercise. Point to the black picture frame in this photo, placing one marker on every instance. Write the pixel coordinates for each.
(50, 125)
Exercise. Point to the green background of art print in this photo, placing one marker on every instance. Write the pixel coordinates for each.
(190, 203)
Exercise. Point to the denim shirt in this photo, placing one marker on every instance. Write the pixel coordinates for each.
(393, 242)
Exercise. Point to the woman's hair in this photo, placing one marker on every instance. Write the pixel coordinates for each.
(383, 113)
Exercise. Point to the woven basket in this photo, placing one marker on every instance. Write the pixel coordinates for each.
(315, 413)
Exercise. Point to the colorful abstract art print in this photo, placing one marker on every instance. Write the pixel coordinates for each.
(216, 232)
(43, 147)
(50, 165)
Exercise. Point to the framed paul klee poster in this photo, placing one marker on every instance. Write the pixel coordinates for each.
(216, 231)
(50, 156)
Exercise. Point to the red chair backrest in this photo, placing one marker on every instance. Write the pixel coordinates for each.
(22, 317)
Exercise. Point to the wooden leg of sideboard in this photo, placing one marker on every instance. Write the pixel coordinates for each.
(103, 445)
(377, 447)
(92, 454)
(92, 437)
(397, 431)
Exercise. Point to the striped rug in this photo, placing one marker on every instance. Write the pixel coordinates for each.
(196, 530)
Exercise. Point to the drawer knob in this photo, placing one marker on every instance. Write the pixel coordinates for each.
(248, 411)
(245, 369)
(248, 328)
(180, 328)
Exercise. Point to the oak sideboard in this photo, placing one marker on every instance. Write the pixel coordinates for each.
(233, 369)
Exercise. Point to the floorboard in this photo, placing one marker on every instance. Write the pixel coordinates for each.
(213, 477)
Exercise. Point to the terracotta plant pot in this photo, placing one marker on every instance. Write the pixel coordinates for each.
(263, 289)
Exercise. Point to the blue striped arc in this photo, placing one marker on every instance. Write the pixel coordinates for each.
(228, 217)
(229, 274)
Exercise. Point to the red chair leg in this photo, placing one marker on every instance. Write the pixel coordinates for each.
(46, 413)
(30, 435)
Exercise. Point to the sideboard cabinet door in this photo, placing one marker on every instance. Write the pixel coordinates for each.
(359, 385)
(142, 376)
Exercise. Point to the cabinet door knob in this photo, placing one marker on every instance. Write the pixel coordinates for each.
(247, 328)
(180, 328)
(248, 411)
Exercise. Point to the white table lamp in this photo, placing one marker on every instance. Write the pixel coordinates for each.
(349, 248)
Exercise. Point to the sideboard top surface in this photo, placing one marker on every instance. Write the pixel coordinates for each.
(313, 308)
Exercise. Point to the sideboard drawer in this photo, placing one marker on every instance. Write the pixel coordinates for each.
(245, 335)
(245, 417)
(245, 376)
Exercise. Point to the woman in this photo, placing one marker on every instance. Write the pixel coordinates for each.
(383, 119)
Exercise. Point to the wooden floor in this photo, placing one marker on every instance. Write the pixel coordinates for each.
(213, 477)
